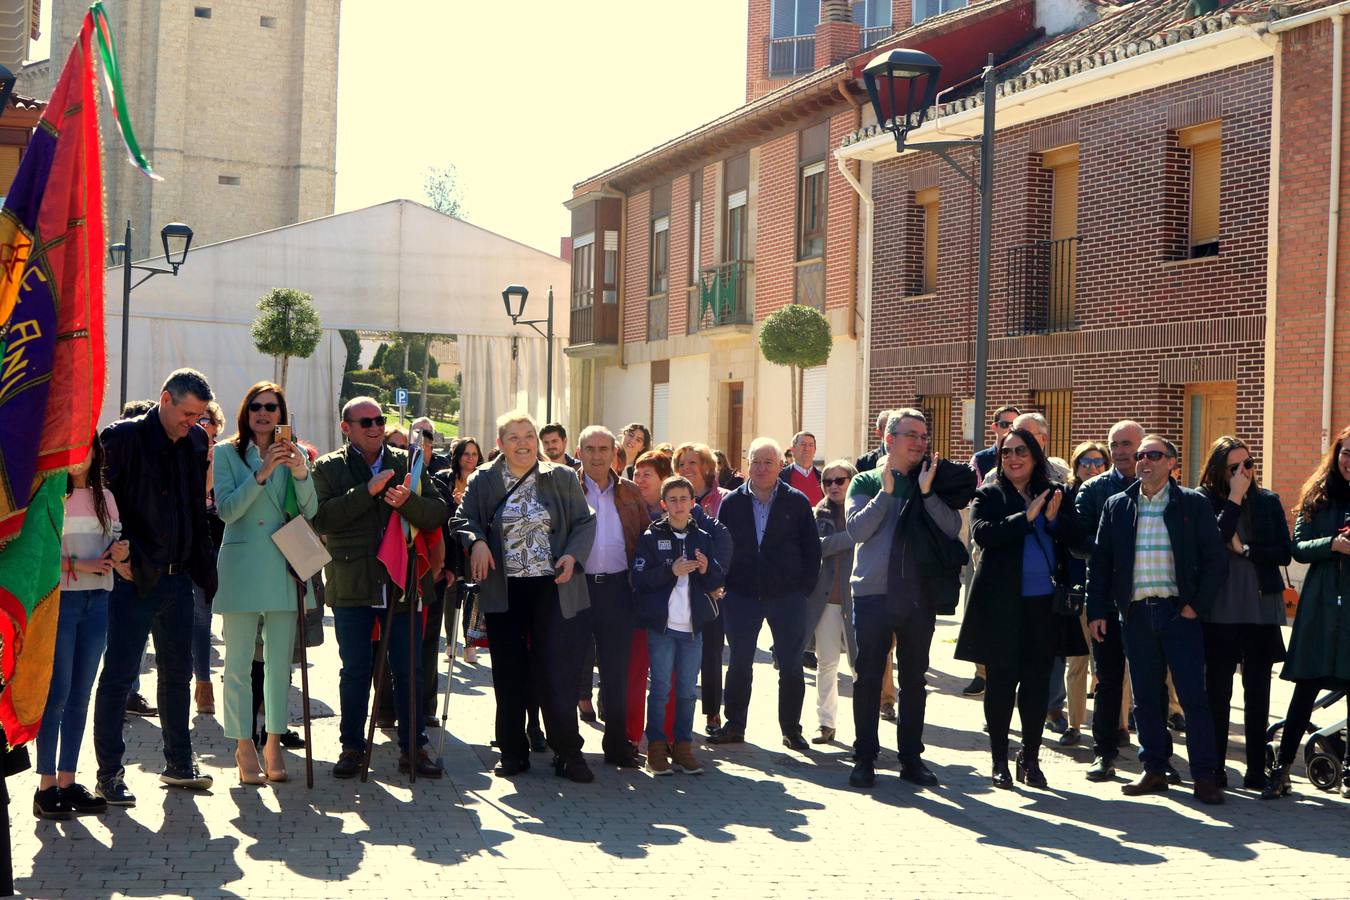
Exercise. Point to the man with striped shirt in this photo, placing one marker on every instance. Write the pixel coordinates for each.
(1158, 565)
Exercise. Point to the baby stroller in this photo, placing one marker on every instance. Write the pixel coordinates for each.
(1324, 749)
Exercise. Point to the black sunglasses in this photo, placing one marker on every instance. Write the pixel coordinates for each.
(831, 482)
(1004, 423)
(1020, 451)
(368, 421)
(255, 406)
(1150, 455)
(1246, 464)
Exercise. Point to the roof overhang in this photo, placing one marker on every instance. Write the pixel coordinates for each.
(591, 196)
(1232, 46)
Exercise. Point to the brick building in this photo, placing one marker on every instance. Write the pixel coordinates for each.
(1133, 270)
(679, 254)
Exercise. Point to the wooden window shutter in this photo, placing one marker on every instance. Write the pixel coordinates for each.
(928, 200)
(1064, 216)
(1205, 160)
(9, 166)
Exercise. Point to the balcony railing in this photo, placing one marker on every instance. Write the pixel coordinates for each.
(726, 295)
(870, 36)
(657, 321)
(595, 325)
(811, 283)
(792, 56)
(1041, 286)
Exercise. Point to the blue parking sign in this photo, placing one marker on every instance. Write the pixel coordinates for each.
(401, 397)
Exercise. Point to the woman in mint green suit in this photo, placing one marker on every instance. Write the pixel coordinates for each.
(261, 482)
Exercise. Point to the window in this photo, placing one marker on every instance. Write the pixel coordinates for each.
(811, 180)
(937, 409)
(736, 233)
(815, 403)
(227, 179)
(201, 12)
(1063, 253)
(1057, 406)
(659, 279)
(660, 400)
(927, 201)
(610, 276)
(695, 225)
(795, 17)
(1204, 145)
(583, 270)
(267, 22)
(872, 13)
(9, 165)
(925, 9)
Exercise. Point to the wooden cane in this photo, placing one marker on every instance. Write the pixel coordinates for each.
(381, 657)
(304, 684)
(414, 749)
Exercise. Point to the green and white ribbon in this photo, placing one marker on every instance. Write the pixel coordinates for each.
(112, 82)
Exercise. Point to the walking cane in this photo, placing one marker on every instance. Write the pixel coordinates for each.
(414, 749)
(381, 657)
(304, 683)
(450, 673)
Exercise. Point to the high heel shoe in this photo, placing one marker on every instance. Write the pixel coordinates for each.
(1029, 770)
(1000, 778)
(1277, 785)
(250, 772)
(275, 772)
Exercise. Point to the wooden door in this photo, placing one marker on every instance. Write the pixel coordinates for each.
(1210, 413)
(735, 417)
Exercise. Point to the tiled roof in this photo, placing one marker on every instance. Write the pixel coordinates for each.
(1122, 31)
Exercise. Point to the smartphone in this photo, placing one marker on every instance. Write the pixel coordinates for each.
(284, 433)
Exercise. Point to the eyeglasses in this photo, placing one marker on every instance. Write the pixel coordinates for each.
(1150, 455)
(1093, 462)
(255, 406)
(205, 422)
(1021, 451)
(831, 482)
(1246, 464)
(912, 435)
(1004, 424)
(368, 421)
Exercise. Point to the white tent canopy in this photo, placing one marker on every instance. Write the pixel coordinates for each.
(398, 266)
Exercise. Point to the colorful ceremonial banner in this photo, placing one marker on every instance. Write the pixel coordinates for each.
(398, 534)
(52, 371)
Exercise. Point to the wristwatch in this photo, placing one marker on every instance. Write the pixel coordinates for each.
(1246, 551)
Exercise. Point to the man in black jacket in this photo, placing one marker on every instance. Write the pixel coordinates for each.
(156, 470)
(1158, 565)
(776, 561)
(869, 460)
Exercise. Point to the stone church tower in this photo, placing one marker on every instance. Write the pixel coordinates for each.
(234, 103)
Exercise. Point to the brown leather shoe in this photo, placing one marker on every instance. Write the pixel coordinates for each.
(205, 698)
(1149, 783)
(1207, 790)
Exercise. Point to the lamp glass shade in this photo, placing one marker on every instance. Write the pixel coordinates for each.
(117, 253)
(177, 238)
(893, 80)
(514, 298)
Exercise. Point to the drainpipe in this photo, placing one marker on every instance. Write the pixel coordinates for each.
(856, 103)
(622, 273)
(864, 235)
(1333, 221)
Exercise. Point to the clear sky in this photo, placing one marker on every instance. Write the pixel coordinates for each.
(524, 98)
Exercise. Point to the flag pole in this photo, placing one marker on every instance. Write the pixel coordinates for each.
(304, 683)
(413, 732)
(381, 658)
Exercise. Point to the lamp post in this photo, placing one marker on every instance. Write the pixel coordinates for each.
(907, 67)
(177, 238)
(514, 298)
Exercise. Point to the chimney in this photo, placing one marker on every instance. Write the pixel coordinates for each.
(837, 36)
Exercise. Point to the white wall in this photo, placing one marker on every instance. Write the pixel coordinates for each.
(626, 396)
(774, 390)
(690, 413)
(841, 434)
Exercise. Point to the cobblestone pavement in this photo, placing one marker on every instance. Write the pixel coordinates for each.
(763, 822)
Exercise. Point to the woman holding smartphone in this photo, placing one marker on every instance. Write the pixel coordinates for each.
(262, 481)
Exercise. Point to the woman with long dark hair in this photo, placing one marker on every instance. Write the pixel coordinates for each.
(90, 554)
(465, 457)
(1025, 529)
(262, 481)
(1319, 647)
(1243, 627)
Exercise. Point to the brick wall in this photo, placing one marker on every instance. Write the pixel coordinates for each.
(1301, 275)
(776, 220)
(1136, 306)
(677, 298)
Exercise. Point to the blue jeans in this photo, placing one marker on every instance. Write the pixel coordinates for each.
(1158, 638)
(166, 614)
(353, 626)
(743, 618)
(201, 635)
(681, 651)
(81, 634)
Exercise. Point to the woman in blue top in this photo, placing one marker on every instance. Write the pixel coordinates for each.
(1024, 528)
(254, 475)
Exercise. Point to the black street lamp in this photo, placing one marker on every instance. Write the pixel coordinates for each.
(513, 298)
(177, 240)
(903, 70)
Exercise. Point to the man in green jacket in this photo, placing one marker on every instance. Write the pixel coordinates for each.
(361, 487)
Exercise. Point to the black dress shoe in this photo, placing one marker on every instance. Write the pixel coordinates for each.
(137, 705)
(348, 764)
(1173, 776)
(81, 802)
(586, 710)
(1277, 785)
(573, 768)
(1101, 770)
(796, 742)
(426, 766)
(1149, 783)
(1207, 790)
(630, 760)
(1177, 722)
(1001, 778)
(975, 688)
(914, 771)
(1254, 780)
(864, 775)
(48, 804)
(538, 744)
(1029, 770)
(508, 768)
(292, 740)
(727, 736)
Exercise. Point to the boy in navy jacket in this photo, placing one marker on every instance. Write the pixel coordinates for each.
(674, 571)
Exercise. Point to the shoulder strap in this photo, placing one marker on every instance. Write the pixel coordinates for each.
(507, 496)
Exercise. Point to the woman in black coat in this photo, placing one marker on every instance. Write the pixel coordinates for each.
(1243, 627)
(1024, 529)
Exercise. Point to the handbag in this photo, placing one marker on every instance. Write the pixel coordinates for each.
(1290, 596)
(304, 552)
(1066, 600)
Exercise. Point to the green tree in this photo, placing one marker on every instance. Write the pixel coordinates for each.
(797, 337)
(443, 191)
(287, 326)
(352, 341)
